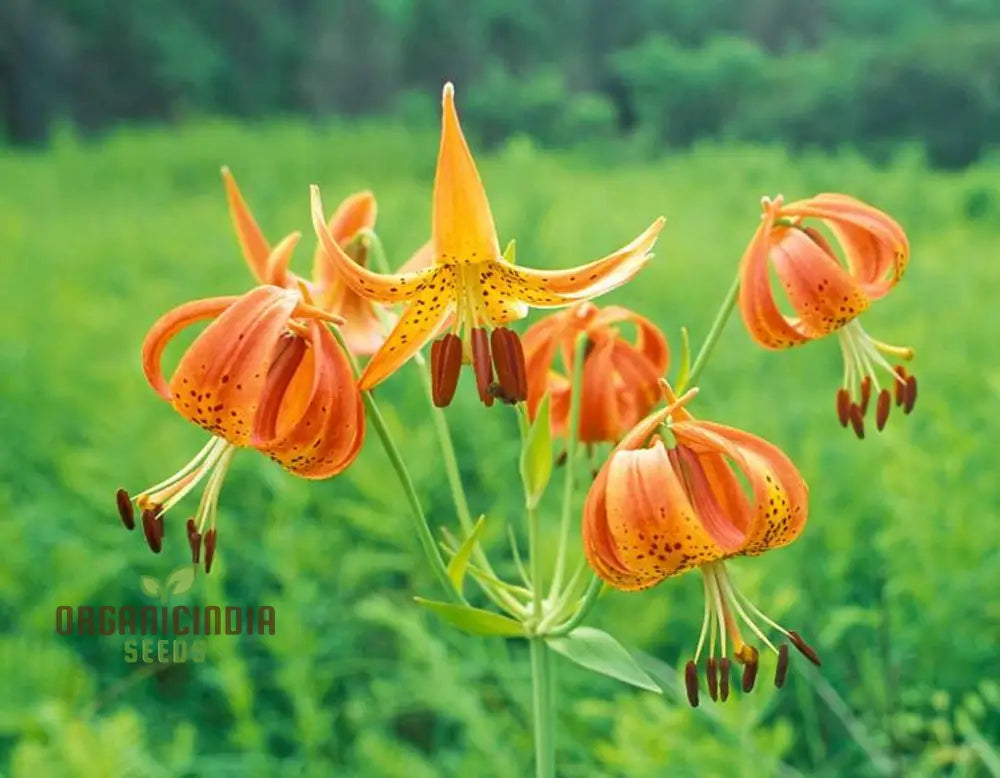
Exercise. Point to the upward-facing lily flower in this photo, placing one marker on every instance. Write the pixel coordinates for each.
(267, 374)
(471, 283)
(670, 498)
(621, 377)
(362, 330)
(828, 294)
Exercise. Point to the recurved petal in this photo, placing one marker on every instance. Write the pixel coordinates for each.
(600, 419)
(429, 308)
(780, 496)
(655, 528)
(252, 242)
(462, 226)
(277, 262)
(313, 424)
(553, 288)
(765, 323)
(823, 294)
(164, 330)
(373, 286)
(219, 380)
(356, 213)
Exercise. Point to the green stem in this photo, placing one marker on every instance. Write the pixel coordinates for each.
(543, 706)
(718, 325)
(419, 520)
(572, 433)
(399, 466)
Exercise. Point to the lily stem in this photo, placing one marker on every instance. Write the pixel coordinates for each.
(718, 325)
(419, 519)
(543, 708)
(566, 519)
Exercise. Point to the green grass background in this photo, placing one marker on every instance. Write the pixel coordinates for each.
(895, 579)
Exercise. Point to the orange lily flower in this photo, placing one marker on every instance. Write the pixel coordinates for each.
(362, 330)
(671, 498)
(828, 295)
(267, 374)
(471, 283)
(621, 377)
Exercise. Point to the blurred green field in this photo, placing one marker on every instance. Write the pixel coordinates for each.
(895, 580)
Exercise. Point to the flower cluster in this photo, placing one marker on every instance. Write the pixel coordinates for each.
(275, 370)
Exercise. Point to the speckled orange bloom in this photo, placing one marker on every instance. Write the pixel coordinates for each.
(268, 374)
(828, 292)
(620, 375)
(471, 284)
(671, 498)
(362, 331)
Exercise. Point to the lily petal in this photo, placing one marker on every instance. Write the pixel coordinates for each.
(429, 308)
(252, 241)
(373, 286)
(218, 382)
(462, 226)
(356, 213)
(554, 288)
(765, 322)
(167, 327)
(319, 427)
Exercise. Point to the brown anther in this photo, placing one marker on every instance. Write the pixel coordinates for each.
(691, 683)
(152, 527)
(724, 668)
(125, 509)
(911, 394)
(508, 358)
(482, 365)
(866, 393)
(819, 239)
(561, 459)
(843, 406)
(804, 648)
(194, 540)
(446, 364)
(713, 678)
(750, 675)
(588, 347)
(210, 538)
(857, 423)
(782, 669)
(882, 409)
(900, 384)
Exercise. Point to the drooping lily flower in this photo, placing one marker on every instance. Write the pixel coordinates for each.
(267, 374)
(671, 498)
(828, 294)
(362, 330)
(471, 283)
(620, 376)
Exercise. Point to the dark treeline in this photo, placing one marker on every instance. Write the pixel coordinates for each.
(807, 72)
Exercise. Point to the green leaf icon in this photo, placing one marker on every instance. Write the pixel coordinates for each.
(150, 586)
(181, 580)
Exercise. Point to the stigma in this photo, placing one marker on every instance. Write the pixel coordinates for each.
(211, 463)
(864, 359)
(726, 609)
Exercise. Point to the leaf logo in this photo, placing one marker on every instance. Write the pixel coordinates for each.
(178, 582)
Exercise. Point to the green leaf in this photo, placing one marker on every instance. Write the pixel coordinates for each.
(150, 586)
(536, 456)
(475, 621)
(458, 564)
(181, 580)
(509, 253)
(685, 369)
(598, 651)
